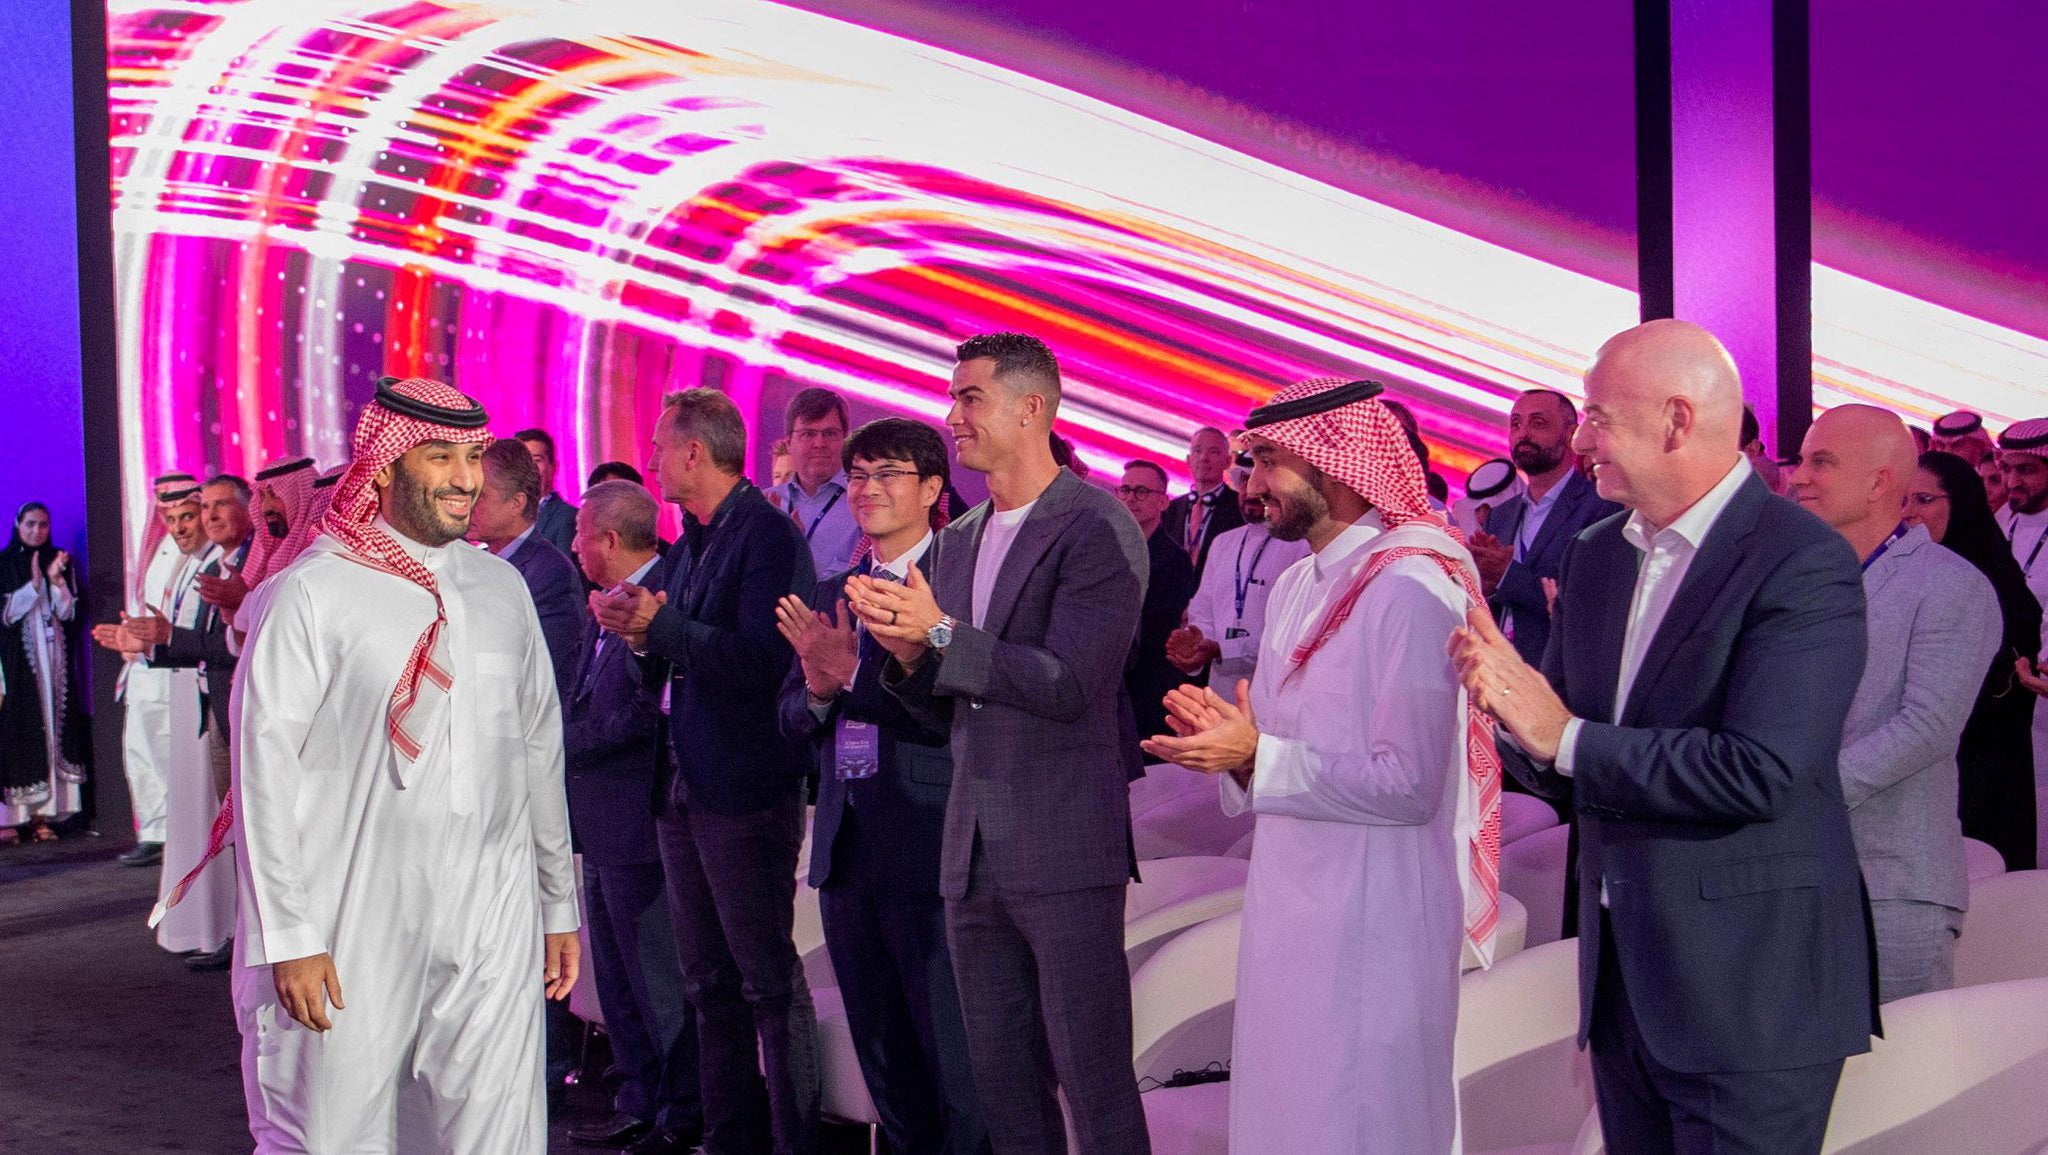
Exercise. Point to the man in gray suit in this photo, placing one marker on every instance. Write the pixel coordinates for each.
(1934, 625)
(1017, 644)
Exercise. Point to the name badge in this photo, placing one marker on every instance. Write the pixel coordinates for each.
(1236, 632)
(856, 750)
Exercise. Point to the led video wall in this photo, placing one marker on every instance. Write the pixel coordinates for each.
(568, 209)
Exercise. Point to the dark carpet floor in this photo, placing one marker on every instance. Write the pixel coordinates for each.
(109, 1045)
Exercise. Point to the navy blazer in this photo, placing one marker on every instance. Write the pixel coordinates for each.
(612, 736)
(557, 590)
(555, 520)
(903, 807)
(727, 659)
(1712, 808)
(1040, 775)
(1578, 505)
(204, 645)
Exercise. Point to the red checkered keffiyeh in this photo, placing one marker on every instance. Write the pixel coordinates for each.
(1360, 443)
(292, 481)
(405, 415)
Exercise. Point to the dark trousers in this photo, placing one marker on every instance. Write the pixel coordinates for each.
(1047, 998)
(888, 948)
(1646, 1108)
(640, 990)
(732, 901)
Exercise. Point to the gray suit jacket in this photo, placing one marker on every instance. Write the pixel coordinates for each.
(1031, 695)
(1934, 624)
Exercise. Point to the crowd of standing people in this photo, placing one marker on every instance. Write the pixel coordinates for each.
(1772, 698)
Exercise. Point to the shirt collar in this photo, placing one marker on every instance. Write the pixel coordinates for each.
(512, 546)
(1693, 525)
(796, 488)
(431, 556)
(1345, 545)
(900, 565)
(634, 577)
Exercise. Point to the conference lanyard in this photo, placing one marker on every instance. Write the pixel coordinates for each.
(1242, 581)
(2012, 533)
(1885, 545)
(819, 520)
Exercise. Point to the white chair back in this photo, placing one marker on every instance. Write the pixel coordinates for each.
(808, 933)
(1510, 936)
(1178, 893)
(1521, 1076)
(1957, 1070)
(1187, 824)
(1163, 782)
(1522, 815)
(1533, 870)
(2005, 934)
(1981, 859)
(1183, 998)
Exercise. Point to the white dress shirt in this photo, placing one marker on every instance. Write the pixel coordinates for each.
(1667, 555)
(1245, 562)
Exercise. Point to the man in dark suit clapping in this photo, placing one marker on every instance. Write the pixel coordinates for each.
(616, 760)
(1017, 642)
(1703, 655)
(735, 818)
(503, 521)
(883, 777)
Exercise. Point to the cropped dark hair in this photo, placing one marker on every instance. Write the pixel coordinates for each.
(1021, 360)
(1752, 429)
(1141, 463)
(509, 469)
(811, 404)
(1571, 411)
(710, 418)
(614, 471)
(537, 434)
(900, 439)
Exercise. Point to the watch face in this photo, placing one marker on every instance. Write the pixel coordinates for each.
(939, 636)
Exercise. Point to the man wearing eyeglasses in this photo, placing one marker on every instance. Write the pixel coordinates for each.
(816, 497)
(883, 777)
(1149, 675)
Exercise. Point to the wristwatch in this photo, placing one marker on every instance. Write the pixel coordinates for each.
(941, 634)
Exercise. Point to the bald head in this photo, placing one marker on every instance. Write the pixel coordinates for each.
(1663, 417)
(1854, 468)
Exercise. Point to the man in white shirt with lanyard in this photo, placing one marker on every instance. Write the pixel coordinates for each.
(816, 497)
(2023, 462)
(1227, 617)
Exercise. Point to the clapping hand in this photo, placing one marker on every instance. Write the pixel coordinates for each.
(898, 615)
(1492, 558)
(1211, 734)
(1189, 651)
(57, 566)
(1505, 686)
(2032, 677)
(223, 593)
(134, 635)
(627, 611)
(824, 643)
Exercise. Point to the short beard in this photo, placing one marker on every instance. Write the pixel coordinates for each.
(275, 523)
(1533, 458)
(1296, 515)
(409, 507)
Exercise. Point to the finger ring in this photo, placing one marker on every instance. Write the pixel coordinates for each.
(892, 617)
(1504, 691)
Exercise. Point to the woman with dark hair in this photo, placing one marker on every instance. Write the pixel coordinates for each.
(1996, 757)
(41, 739)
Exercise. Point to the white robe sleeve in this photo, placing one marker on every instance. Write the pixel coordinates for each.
(1409, 694)
(283, 678)
(62, 604)
(19, 603)
(548, 796)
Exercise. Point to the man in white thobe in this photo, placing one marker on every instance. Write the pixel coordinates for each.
(2023, 460)
(406, 882)
(1351, 749)
(145, 694)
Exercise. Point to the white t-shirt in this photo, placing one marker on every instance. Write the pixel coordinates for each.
(996, 538)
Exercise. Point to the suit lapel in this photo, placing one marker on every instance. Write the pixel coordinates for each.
(1726, 545)
(1616, 574)
(1561, 514)
(1887, 567)
(1040, 529)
